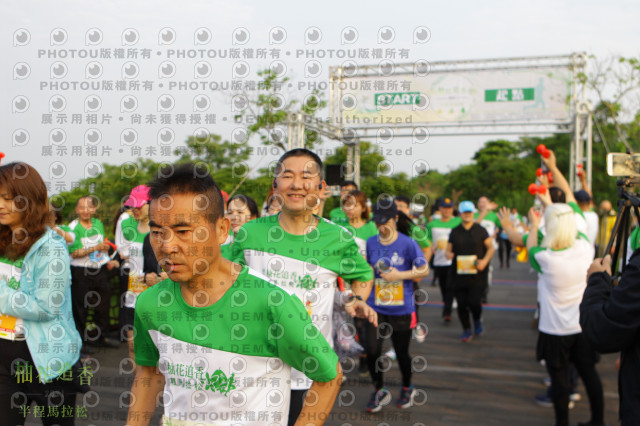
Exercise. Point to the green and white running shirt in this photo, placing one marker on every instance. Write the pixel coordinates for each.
(87, 238)
(133, 239)
(230, 362)
(362, 234)
(438, 232)
(490, 223)
(306, 265)
(11, 328)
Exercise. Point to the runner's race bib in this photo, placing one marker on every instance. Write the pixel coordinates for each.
(442, 243)
(11, 328)
(467, 264)
(389, 293)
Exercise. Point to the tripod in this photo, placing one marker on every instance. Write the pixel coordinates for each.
(620, 232)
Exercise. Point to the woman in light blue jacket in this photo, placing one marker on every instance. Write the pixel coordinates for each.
(39, 344)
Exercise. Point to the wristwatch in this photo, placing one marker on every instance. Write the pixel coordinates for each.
(355, 297)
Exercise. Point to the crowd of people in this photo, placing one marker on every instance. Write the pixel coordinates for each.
(213, 287)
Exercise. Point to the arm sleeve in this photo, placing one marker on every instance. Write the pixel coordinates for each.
(610, 316)
(302, 346)
(533, 260)
(352, 265)
(146, 352)
(47, 271)
(420, 236)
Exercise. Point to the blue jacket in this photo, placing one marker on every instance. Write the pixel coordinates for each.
(43, 301)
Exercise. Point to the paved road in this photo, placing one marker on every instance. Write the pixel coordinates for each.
(490, 381)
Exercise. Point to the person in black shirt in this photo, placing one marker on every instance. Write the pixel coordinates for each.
(471, 249)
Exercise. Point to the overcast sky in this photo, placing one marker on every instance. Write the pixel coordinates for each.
(66, 151)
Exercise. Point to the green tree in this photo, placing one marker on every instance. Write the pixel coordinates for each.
(267, 112)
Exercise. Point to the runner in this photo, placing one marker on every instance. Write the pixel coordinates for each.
(34, 270)
(240, 210)
(219, 339)
(89, 273)
(304, 253)
(357, 212)
(337, 215)
(397, 260)
(134, 231)
(438, 231)
(562, 259)
(471, 249)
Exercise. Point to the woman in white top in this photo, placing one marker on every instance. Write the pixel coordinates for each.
(562, 259)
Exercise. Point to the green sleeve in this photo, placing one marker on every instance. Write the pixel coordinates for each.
(526, 236)
(576, 208)
(302, 346)
(420, 236)
(77, 243)
(146, 352)
(428, 231)
(237, 247)
(532, 258)
(634, 239)
(352, 265)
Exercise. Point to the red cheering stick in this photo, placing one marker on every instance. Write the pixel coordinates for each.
(113, 246)
(539, 172)
(542, 150)
(580, 171)
(550, 176)
(1, 156)
(537, 189)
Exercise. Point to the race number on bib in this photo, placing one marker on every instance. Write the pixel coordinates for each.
(389, 293)
(467, 264)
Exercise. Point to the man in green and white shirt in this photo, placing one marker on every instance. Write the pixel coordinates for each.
(218, 340)
(89, 274)
(303, 253)
(438, 232)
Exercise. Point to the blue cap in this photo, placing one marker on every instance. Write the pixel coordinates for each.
(466, 206)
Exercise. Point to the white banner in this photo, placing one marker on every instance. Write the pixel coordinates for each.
(518, 95)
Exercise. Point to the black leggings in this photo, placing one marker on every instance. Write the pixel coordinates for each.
(398, 327)
(504, 251)
(469, 297)
(443, 274)
(16, 398)
(84, 280)
(560, 350)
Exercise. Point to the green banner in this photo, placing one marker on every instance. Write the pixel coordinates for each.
(509, 95)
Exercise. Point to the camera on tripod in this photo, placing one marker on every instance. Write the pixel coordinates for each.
(627, 168)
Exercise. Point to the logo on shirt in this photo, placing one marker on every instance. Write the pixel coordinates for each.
(306, 282)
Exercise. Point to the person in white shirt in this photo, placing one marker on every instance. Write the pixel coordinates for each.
(562, 259)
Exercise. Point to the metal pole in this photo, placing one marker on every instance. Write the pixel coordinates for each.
(589, 149)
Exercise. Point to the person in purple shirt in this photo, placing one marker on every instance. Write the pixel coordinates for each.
(397, 260)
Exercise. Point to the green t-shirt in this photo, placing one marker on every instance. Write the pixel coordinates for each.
(362, 234)
(10, 272)
(86, 238)
(233, 356)
(306, 265)
(337, 215)
(438, 232)
(490, 222)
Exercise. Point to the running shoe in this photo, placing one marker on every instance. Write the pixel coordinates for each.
(406, 397)
(420, 333)
(379, 399)
(466, 336)
(545, 400)
(478, 329)
(391, 354)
